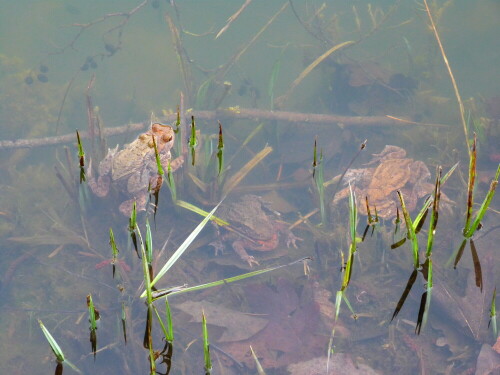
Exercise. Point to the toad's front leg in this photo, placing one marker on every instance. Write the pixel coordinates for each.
(166, 160)
(239, 247)
(140, 200)
(99, 187)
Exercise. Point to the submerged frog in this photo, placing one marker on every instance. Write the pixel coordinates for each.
(253, 225)
(133, 170)
(393, 171)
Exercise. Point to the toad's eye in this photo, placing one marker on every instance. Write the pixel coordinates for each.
(166, 138)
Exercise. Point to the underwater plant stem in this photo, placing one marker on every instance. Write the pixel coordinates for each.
(452, 77)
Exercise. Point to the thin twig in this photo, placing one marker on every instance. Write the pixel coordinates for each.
(222, 71)
(233, 18)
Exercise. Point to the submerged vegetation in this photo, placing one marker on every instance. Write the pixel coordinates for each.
(262, 313)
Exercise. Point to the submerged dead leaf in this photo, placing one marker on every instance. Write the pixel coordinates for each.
(496, 347)
(237, 325)
(292, 333)
(340, 364)
(472, 310)
(488, 361)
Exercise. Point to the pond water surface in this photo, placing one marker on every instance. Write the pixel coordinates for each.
(65, 64)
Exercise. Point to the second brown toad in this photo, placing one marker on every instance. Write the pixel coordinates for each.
(253, 225)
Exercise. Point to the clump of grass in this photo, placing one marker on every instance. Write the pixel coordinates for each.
(473, 223)
(413, 227)
(151, 294)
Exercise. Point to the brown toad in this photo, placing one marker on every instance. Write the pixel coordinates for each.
(133, 170)
(394, 172)
(253, 225)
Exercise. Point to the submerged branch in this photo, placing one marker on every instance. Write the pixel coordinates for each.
(229, 114)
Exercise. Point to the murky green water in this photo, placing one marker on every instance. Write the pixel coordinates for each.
(54, 235)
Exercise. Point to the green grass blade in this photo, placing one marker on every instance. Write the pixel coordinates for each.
(315, 155)
(170, 325)
(353, 216)
(183, 247)
(179, 290)
(493, 314)
(448, 174)
(148, 340)
(477, 265)
(410, 231)
(56, 349)
(470, 186)
(421, 215)
(132, 224)
(145, 269)
(421, 312)
(352, 247)
(157, 156)
(459, 253)
(330, 351)
(484, 206)
(435, 210)
(81, 157)
(201, 212)
(93, 316)
(407, 290)
(320, 187)
(112, 243)
(206, 344)
(124, 323)
(114, 250)
(162, 325)
(429, 293)
(220, 155)
(344, 297)
(193, 141)
(149, 243)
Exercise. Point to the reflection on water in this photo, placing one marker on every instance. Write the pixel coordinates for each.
(141, 55)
